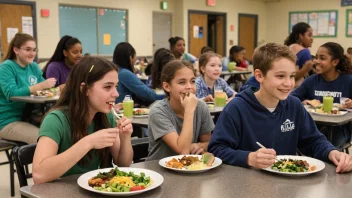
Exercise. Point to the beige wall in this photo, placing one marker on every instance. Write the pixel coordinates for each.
(232, 8)
(272, 19)
(278, 16)
(140, 33)
(140, 15)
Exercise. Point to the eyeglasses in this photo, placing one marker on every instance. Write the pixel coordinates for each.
(30, 49)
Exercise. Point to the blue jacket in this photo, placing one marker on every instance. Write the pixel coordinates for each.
(244, 121)
(130, 84)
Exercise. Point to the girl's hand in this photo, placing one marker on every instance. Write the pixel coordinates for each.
(196, 149)
(103, 138)
(305, 102)
(48, 83)
(348, 104)
(118, 107)
(189, 101)
(208, 98)
(125, 127)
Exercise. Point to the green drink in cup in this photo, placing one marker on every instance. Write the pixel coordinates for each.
(220, 98)
(231, 66)
(128, 105)
(328, 103)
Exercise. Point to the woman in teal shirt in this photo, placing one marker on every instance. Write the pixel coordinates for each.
(20, 76)
(80, 132)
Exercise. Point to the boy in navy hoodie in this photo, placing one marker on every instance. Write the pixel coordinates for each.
(272, 117)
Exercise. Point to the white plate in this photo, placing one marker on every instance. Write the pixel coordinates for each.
(311, 161)
(162, 162)
(141, 116)
(332, 115)
(155, 177)
(32, 95)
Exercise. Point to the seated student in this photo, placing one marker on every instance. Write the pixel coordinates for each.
(272, 117)
(161, 57)
(79, 133)
(349, 53)
(196, 63)
(129, 84)
(332, 78)
(209, 80)
(237, 56)
(177, 47)
(20, 76)
(67, 54)
(299, 40)
(179, 124)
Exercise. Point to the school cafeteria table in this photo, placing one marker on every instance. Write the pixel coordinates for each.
(143, 78)
(143, 122)
(35, 100)
(30, 100)
(227, 73)
(223, 181)
(331, 121)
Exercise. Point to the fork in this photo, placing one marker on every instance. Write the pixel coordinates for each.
(259, 144)
(115, 114)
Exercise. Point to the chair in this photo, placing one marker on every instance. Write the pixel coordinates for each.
(140, 149)
(7, 146)
(23, 156)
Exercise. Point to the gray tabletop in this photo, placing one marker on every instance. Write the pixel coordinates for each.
(33, 99)
(332, 120)
(224, 181)
(224, 73)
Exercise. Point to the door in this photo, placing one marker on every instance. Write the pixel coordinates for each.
(220, 35)
(248, 33)
(11, 17)
(161, 30)
(198, 33)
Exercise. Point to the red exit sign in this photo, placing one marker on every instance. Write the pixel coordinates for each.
(210, 2)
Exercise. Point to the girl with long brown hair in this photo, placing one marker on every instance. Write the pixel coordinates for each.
(20, 76)
(80, 132)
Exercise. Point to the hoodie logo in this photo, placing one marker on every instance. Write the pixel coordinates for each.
(287, 126)
(32, 80)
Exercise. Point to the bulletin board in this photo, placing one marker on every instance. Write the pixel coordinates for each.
(323, 22)
(349, 23)
(80, 22)
(11, 19)
(112, 29)
(99, 29)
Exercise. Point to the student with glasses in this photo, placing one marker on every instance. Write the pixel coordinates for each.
(20, 76)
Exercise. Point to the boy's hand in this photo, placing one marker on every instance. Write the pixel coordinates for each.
(342, 160)
(262, 158)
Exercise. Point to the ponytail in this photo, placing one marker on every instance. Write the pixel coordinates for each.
(17, 41)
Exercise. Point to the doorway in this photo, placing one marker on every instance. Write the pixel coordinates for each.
(12, 21)
(248, 33)
(162, 23)
(206, 29)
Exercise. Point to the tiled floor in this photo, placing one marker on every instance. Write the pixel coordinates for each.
(5, 176)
